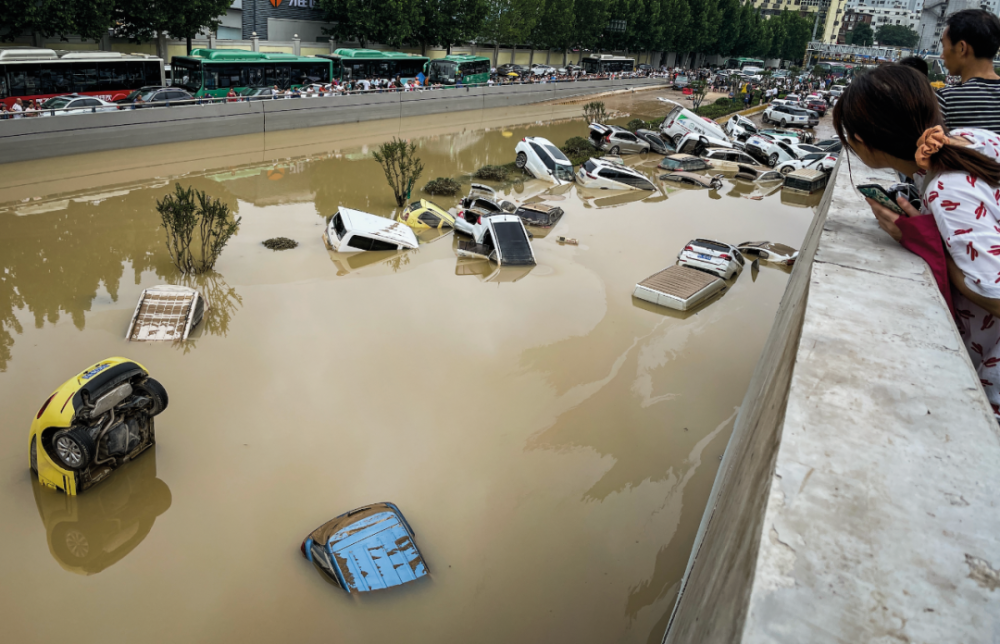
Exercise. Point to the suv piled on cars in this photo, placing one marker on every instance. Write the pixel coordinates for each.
(786, 115)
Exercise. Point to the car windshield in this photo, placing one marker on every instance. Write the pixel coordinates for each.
(56, 103)
(442, 71)
(704, 243)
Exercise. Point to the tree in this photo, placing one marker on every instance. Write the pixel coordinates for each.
(862, 35)
(89, 19)
(706, 21)
(391, 22)
(554, 29)
(729, 34)
(182, 219)
(449, 22)
(591, 17)
(401, 165)
(509, 21)
(897, 36)
(142, 21)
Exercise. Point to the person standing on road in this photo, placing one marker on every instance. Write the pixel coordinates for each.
(17, 108)
(889, 117)
(231, 96)
(968, 45)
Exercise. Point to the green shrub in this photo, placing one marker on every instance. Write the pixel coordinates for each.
(207, 224)
(443, 186)
(492, 173)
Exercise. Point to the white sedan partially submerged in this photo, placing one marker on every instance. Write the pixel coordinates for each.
(350, 231)
(608, 175)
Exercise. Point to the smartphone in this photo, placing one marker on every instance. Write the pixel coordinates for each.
(879, 194)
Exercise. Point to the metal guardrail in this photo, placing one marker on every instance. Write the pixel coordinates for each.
(213, 100)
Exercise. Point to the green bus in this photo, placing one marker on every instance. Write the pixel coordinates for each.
(213, 72)
(356, 64)
(458, 69)
(740, 63)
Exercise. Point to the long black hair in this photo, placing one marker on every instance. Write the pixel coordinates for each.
(889, 108)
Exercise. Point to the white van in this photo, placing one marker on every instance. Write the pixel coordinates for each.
(350, 231)
(681, 122)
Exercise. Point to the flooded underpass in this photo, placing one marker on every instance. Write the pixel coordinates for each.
(551, 440)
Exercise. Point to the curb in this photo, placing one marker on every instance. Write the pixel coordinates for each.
(753, 110)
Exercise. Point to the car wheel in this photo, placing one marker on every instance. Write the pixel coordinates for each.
(677, 140)
(764, 119)
(784, 123)
(521, 160)
(153, 389)
(74, 449)
(614, 150)
(772, 160)
(785, 169)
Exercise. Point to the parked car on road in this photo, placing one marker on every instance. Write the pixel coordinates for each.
(616, 140)
(156, 96)
(511, 68)
(717, 258)
(542, 70)
(600, 173)
(817, 105)
(786, 115)
(262, 94)
(76, 104)
(681, 82)
(543, 160)
(350, 231)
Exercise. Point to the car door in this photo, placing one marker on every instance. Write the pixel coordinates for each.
(628, 142)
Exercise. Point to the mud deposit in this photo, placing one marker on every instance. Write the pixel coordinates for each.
(551, 441)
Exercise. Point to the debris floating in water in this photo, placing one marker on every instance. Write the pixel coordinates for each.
(568, 240)
(280, 243)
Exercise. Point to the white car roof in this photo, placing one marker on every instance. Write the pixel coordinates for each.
(365, 223)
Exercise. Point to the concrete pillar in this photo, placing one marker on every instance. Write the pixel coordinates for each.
(105, 44)
(296, 45)
(254, 42)
(211, 40)
(333, 44)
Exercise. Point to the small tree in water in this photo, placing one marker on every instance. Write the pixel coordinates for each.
(182, 218)
(700, 89)
(594, 112)
(401, 165)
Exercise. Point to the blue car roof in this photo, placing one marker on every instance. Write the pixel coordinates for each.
(375, 552)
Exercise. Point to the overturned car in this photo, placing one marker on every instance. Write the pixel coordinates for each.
(500, 238)
(93, 424)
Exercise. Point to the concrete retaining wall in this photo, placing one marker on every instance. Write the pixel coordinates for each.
(856, 499)
(45, 137)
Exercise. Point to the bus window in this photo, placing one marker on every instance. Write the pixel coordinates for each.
(280, 76)
(441, 71)
(187, 75)
(226, 76)
(591, 66)
(3, 82)
(253, 76)
(83, 77)
(19, 78)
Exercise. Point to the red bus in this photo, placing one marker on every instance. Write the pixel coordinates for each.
(35, 73)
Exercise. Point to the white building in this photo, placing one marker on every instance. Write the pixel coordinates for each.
(898, 14)
(935, 12)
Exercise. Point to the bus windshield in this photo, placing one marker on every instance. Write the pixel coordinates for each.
(442, 72)
(187, 75)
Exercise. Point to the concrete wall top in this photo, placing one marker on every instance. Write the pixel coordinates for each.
(856, 500)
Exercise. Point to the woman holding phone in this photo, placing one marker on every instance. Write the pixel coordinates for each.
(889, 117)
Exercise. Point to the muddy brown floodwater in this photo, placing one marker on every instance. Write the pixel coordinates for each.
(551, 441)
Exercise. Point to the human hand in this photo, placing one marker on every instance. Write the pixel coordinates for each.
(887, 218)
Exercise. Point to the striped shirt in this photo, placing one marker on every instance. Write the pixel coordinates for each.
(974, 103)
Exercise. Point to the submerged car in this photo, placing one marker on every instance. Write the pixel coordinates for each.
(657, 143)
(502, 239)
(684, 162)
(350, 231)
(813, 161)
(616, 140)
(424, 215)
(166, 312)
(787, 115)
(681, 121)
(717, 258)
(728, 159)
(775, 151)
(740, 127)
(607, 175)
(542, 215)
(756, 173)
(483, 200)
(543, 160)
(770, 252)
(696, 144)
(366, 549)
(94, 423)
(696, 180)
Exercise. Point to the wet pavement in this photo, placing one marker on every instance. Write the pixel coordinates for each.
(551, 440)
